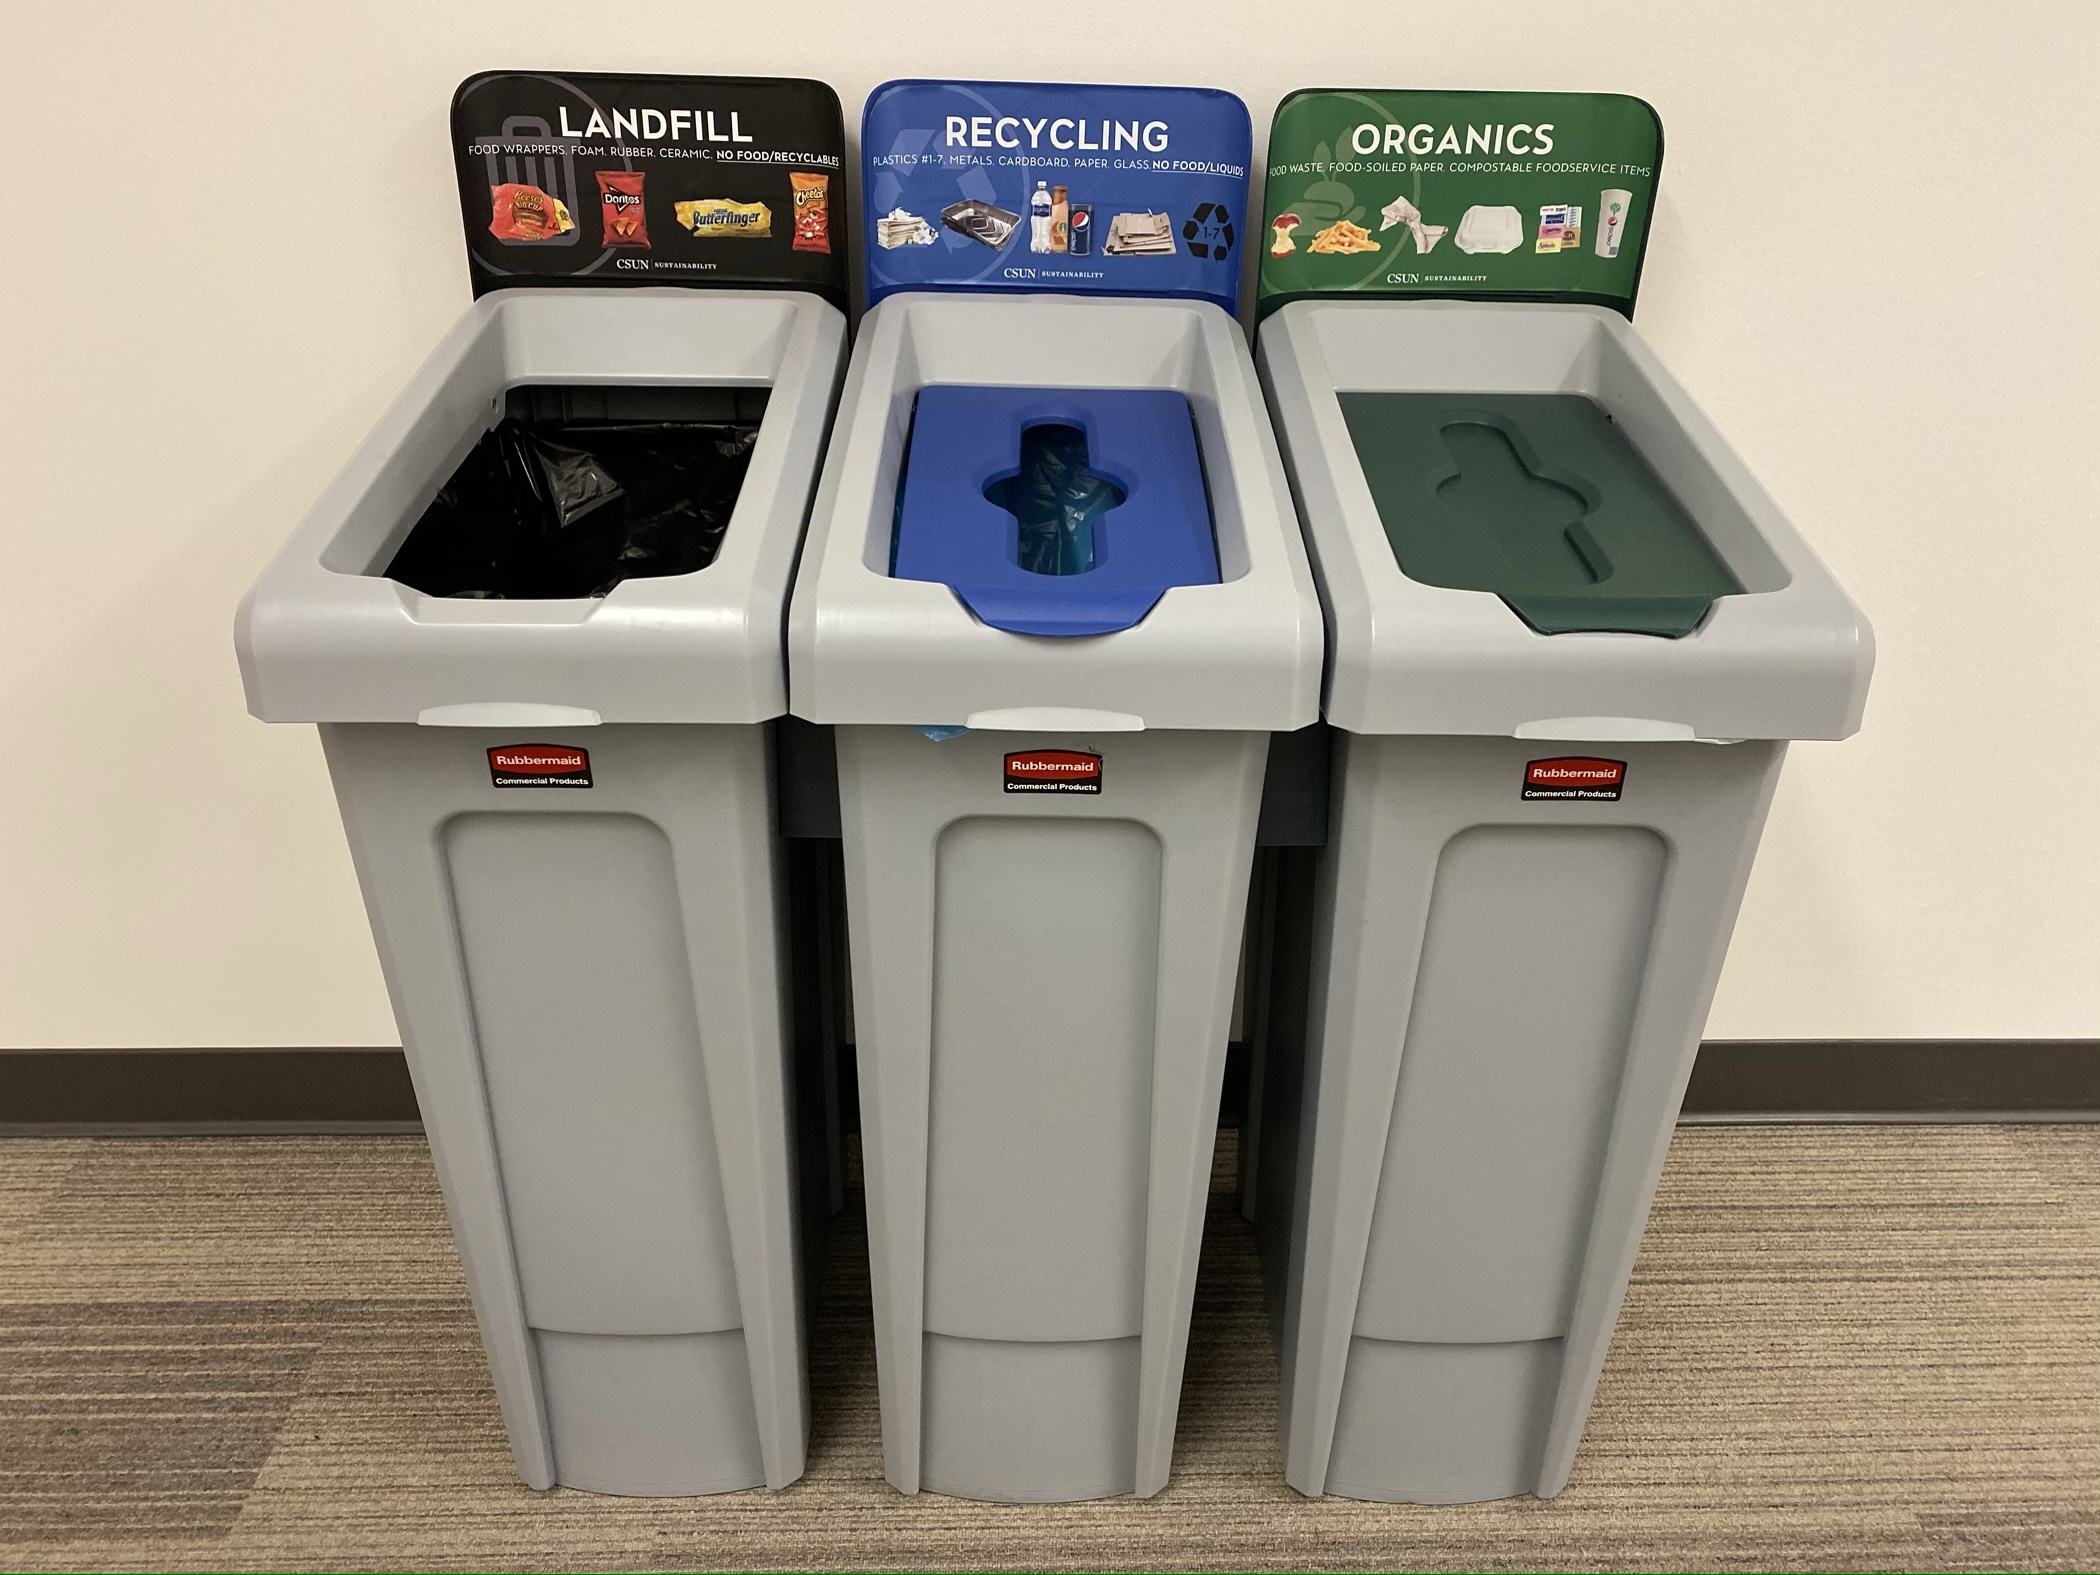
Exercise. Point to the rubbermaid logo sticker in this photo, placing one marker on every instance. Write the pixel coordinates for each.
(1575, 776)
(540, 766)
(1053, 771)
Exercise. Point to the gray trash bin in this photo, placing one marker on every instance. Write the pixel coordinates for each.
(537, 618)
(1570, 637)
(561, 812)
(1046, 911)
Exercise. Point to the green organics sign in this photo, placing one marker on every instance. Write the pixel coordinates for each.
(1525, 196)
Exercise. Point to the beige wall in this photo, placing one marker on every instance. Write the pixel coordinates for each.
(231, 236)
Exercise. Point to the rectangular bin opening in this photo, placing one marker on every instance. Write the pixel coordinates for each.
(1053, 511)
(1540, 499)
(579, 487)
(1055, 497)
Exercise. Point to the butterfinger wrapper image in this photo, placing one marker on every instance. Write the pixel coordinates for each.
(711, 217)
(525, 213)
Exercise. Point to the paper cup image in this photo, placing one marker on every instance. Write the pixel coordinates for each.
(1490, 230)
(1612, 208)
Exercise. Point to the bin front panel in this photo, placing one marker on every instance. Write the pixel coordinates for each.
(1531, 966)
(1042, 981)
(576, 962)
(1512, 952)
(1046, 946)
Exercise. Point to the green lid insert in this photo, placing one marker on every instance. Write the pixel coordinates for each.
(1540, 499)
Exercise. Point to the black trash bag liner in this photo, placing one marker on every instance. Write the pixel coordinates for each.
(542, 511)
(1056, 498)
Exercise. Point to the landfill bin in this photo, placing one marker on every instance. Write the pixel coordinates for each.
(538, 619)
(1053, 602)
(1570, 637)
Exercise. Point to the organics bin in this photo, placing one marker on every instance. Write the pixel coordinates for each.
(1570, 638)
(538, 619)
(1054, 603)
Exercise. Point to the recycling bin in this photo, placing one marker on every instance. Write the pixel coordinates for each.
(1569, 640)
(1053, 603)
(537, 618)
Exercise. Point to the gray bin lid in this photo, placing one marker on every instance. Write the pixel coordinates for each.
(325, 637)
(867, 646)
(1781, 653)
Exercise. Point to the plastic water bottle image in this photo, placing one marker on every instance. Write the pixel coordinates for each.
(1039, 218)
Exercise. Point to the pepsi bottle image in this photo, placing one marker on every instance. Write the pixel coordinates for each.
(1080, 233)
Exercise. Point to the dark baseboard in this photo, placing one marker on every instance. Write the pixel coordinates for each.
(1895, 1080)
(168, 1092)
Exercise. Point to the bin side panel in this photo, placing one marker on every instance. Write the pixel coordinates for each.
(1302, 889)
(576, 964)
(1046, 937)
(382, 791)
(1536, 941)
(1725, 797)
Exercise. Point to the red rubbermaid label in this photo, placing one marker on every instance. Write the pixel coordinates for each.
(1575, 776)
(1053, 771)
(540, 766)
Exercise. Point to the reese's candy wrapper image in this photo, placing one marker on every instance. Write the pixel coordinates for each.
(621, 193)
(812, 198)
(709, 217)
(525, 213)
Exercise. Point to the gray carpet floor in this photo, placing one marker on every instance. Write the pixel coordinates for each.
(1845, 1348)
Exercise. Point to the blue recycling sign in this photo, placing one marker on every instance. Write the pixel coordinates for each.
(1055, 186)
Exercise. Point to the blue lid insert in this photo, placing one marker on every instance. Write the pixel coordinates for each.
(1055, 186)
(1055, 511)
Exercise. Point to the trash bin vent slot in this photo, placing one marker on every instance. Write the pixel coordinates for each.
(1539, 499)
(1058, 501)
(579, 487)
(562, 404)
(1006, 496)
(1535, 520)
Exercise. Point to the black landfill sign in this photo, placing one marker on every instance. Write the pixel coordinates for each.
(568, 178)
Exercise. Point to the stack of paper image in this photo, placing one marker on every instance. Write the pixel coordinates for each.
(898, 228)
(1140, 235)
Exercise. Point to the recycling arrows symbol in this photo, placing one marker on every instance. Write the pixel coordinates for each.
(1209, 232)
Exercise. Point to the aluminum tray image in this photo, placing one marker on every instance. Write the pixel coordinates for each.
(981, 221)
